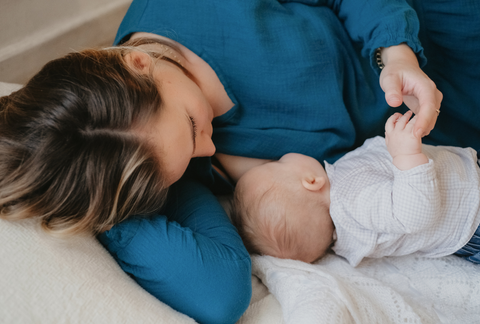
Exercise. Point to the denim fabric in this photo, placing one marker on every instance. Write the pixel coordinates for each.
(471, 251)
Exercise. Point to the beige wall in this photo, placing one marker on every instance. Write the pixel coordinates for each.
(36, 31)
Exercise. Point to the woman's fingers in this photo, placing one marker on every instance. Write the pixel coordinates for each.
(429, 110)
(392, 86)
(402, 121)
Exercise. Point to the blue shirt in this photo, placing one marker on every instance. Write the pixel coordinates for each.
(196, 265)
(290, 67)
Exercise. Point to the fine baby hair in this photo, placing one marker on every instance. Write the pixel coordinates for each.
(281, 209)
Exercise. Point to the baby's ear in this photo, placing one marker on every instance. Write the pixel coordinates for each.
(140, 61)
(313, 183)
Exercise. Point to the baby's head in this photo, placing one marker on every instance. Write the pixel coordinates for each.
(281, 209)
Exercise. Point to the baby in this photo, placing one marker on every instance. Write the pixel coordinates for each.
(389, 197)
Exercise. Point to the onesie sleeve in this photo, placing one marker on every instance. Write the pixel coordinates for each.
(377, 23)
(189, 256)
(389, 201)
(416, 197)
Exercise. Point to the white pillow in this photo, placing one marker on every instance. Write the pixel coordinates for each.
(47, 280)
(7, 88)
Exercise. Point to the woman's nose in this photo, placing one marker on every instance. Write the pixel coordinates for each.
(205, 147)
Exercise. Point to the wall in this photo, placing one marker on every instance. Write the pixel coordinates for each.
(36, 31)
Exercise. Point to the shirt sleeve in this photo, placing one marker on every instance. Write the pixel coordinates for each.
(377, 23)
(192, 259)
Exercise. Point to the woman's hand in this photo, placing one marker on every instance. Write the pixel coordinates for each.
(404, 147)
(402, 80)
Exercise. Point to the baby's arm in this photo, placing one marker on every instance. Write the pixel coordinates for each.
(404, 147)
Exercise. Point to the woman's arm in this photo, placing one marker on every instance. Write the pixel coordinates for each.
(393, 25)
(236, 166)
(378, 23)
(193, 259)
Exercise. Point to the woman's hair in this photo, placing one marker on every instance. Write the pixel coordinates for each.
(68, 154)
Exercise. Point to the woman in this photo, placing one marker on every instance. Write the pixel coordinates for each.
(272, 77)
(78, 149)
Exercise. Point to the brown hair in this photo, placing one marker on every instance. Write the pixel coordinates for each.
(67, 151)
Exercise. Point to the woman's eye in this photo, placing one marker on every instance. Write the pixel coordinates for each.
(194, 127)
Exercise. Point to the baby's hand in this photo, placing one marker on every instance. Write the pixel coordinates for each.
(404, 147)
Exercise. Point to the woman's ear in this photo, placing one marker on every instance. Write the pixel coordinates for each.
(139, 61)
(313, 183)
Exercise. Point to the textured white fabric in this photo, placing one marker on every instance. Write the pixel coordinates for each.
(407, 289)
(379, 210)
(264, 307)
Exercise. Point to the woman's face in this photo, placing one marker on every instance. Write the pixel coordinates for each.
(183, 128)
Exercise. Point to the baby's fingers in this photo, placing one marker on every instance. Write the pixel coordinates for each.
(403, 120)
(391, 121)
(410, 125)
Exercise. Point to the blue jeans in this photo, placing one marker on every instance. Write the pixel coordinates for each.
(471, 251)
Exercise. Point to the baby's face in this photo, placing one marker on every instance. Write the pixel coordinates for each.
(307, 221)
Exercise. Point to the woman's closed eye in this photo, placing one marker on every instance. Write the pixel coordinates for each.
(194, 131)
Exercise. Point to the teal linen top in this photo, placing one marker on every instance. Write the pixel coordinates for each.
(290, 67)
(301, 74)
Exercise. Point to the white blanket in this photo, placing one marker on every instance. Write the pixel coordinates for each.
(406, 289)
